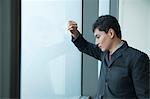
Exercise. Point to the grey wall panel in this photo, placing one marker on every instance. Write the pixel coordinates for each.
(114, 8)
(8, 54)
(5, 48)
(0, 48)
(90, 65)
(15, 48)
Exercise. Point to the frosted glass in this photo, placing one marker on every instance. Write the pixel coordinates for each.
(50, 63)
(134, 17)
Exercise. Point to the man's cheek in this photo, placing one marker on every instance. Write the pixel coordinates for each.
(102, 41)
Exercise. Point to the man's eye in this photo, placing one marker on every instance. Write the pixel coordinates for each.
(97, 37)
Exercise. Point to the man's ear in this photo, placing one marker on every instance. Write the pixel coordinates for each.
(111, 33)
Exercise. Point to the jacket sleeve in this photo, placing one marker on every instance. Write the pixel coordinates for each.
(140, 76)
(87, 47)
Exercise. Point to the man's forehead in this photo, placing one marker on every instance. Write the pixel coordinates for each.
(96, 32)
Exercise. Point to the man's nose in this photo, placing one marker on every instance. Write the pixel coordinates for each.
(96, 42)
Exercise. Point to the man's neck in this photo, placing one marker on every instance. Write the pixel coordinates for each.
(114, 45)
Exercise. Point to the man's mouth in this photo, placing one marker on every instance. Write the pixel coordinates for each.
(99, 46)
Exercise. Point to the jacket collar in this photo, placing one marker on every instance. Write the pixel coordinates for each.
(118, 53)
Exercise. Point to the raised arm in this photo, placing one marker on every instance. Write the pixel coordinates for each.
(82, 44)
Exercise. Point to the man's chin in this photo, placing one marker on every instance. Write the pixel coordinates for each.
(102, 49)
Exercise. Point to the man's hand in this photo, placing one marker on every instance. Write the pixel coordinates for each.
(72, 27)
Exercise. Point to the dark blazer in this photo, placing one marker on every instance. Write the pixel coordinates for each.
(126, 76)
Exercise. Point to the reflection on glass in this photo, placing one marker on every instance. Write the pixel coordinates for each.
(50, 64)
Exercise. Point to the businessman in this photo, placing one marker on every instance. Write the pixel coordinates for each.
(124, 71)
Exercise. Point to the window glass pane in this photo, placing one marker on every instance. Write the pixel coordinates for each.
(50, 63)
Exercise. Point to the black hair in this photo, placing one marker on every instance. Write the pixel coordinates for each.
(105, 22)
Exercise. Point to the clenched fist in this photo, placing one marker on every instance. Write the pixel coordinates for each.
(72, 27)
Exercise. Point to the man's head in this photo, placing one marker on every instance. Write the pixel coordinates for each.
(106, 30)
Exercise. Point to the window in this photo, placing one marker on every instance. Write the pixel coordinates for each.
(50, 63)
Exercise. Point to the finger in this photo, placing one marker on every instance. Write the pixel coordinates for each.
(73, 26)
(72, 23)
(70, 29)
(73, 29)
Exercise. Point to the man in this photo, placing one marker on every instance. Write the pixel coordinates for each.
(124, 71)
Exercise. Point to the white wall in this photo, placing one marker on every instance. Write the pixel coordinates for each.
(134, 17)
(50, 63)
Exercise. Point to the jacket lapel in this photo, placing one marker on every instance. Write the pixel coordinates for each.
(117, 54)
(114, 58)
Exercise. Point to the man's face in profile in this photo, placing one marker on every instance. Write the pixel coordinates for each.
(102, 39)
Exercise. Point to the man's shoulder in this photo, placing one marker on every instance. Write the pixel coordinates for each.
(135, 53)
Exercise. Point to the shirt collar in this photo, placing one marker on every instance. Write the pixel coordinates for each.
(118, 46)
